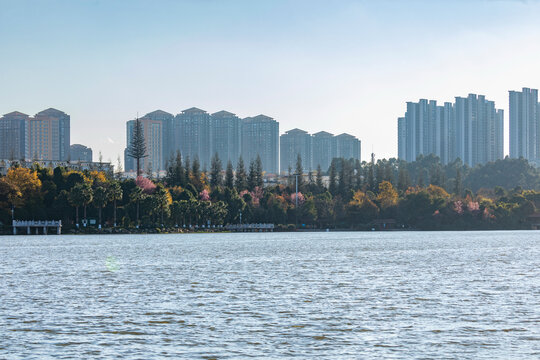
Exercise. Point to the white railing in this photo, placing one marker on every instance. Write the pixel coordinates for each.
(38, 223)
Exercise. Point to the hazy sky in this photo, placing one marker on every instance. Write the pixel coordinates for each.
(338, 66)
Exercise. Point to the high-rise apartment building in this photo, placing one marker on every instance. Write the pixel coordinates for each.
(12, 136)
(191, 134)
(260, 136)
(80, 152)
(226, 132)
(48, 136)
(525, 124)
(470, 129)
(166, 120)
(324, 150)
(293, 143)
(153, 131)
(347, 147)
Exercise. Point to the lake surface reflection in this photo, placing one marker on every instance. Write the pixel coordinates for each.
(272, 295)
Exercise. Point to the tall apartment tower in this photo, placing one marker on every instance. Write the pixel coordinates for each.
(347, 146)
(13, 136)
(48, 135)
(260, 136)
(293, 143)
(324, 150)
(166, 120)
(154, 133)
(226, 136)
(479, 130)
(525, 124)
(470, 129)
(191, 134)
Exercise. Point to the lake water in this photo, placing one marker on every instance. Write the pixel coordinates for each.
(272, 295)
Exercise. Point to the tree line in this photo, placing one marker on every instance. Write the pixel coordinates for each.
(349, 195)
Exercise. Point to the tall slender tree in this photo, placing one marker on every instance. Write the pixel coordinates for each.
(137, 145)
(229, 176)
(216, 179)
(299, 171)
(318, 179)
(115, 195)
(332, 186)
(241, 176)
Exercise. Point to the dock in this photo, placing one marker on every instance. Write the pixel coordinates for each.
(30, 225)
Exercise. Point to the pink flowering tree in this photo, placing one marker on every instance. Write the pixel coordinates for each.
(301, 198)
(256, 195)
(473, 206)
(458, 207)
(204, 195)
(147, 186)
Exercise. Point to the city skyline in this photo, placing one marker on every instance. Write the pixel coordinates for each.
(351, 63)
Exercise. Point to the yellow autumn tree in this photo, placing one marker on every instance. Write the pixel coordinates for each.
(388, 196)
(25, 183)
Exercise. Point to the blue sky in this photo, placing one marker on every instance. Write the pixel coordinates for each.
(339, 66)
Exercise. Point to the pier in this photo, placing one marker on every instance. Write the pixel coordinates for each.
(30, 225)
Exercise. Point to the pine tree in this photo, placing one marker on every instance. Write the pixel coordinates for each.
(229, 175)
(196, 173)
(318, 179)
(241, 177)
(215, 172)
(332, 186)
(137, 146)
(187, 170)
(252, 177)
(299, 171)
(259, 180)
(179, 173)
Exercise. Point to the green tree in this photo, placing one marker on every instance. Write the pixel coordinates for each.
(81, 195)
(162, 200)
(216, 178)
(404, 180)
(241, 176)
(136, 196)
(137, 146)
(332, 186)
(229, 175)
(299, 171)
(318, 179)
(115, 195)
(101, 198)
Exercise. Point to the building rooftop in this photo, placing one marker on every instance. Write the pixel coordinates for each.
(260, 117)
(193, 110)
(158, 113)
(345, 135)
(223, 113)
(323, 133)
(296, 131)
(15, 113)
(51, 112)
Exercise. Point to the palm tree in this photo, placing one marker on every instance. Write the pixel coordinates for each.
(162, 200)
(80, 195)
(101, 197)
(115, 194)
(136, 196)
